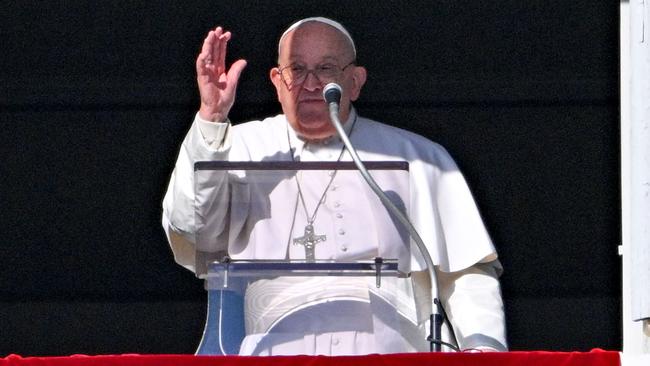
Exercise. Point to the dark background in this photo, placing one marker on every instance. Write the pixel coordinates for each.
(95, 98)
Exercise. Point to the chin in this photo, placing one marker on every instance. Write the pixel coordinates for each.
(323, 131)
(315, 125)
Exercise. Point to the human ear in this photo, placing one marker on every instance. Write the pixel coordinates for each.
(276, 79)
(359, 75)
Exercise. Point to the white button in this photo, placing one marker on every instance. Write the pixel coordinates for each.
(337, 204)
(341, 232)
(339, 215)
(344, 248)
(334, 187)
(330, 173)
(335, 341)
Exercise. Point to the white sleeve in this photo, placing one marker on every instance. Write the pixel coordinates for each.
(472, 299)
(205, 141)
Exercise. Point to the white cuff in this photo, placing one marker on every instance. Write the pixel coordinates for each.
(214, 133)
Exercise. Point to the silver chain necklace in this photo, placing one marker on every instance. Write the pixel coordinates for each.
(310, 238)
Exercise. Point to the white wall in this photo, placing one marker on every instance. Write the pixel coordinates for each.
(635, 174)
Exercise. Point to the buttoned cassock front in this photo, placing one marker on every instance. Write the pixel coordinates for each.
(441, 209)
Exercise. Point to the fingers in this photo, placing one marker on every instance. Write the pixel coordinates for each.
(205, 57)
(234, 72)
(214, 50)
(220, 56)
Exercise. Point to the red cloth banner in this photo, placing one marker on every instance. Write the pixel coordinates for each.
(594, 358)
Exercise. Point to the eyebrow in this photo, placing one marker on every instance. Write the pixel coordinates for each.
(298, 58)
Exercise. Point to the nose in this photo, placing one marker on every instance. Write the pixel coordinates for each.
(311, 83)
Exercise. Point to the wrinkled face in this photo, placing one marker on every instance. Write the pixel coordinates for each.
(314, 45)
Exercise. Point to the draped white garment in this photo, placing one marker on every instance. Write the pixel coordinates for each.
(441, 208)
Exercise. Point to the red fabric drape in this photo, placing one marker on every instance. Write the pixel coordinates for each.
(594, 358)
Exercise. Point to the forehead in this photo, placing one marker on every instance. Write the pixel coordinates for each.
(315, 40)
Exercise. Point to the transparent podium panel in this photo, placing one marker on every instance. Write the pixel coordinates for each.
(303, 258)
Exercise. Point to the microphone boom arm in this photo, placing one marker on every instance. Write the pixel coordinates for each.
(436, 318)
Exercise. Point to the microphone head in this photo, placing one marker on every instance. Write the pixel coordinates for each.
(332, 93)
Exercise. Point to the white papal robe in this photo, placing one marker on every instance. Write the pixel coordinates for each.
(441, 209)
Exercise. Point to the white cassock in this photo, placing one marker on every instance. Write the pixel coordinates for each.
(350, 315)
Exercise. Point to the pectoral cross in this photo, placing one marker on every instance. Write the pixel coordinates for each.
(309, 240)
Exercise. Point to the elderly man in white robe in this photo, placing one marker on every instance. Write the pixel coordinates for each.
(311, 53)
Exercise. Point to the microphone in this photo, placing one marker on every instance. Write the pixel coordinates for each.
(332, 93)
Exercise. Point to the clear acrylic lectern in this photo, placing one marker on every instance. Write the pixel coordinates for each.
(301, 256)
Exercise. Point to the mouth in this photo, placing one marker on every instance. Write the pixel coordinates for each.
(311, 101)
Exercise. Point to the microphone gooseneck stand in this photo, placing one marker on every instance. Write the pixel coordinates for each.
(332, 95)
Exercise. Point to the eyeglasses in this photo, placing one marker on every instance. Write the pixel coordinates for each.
(296, 74)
